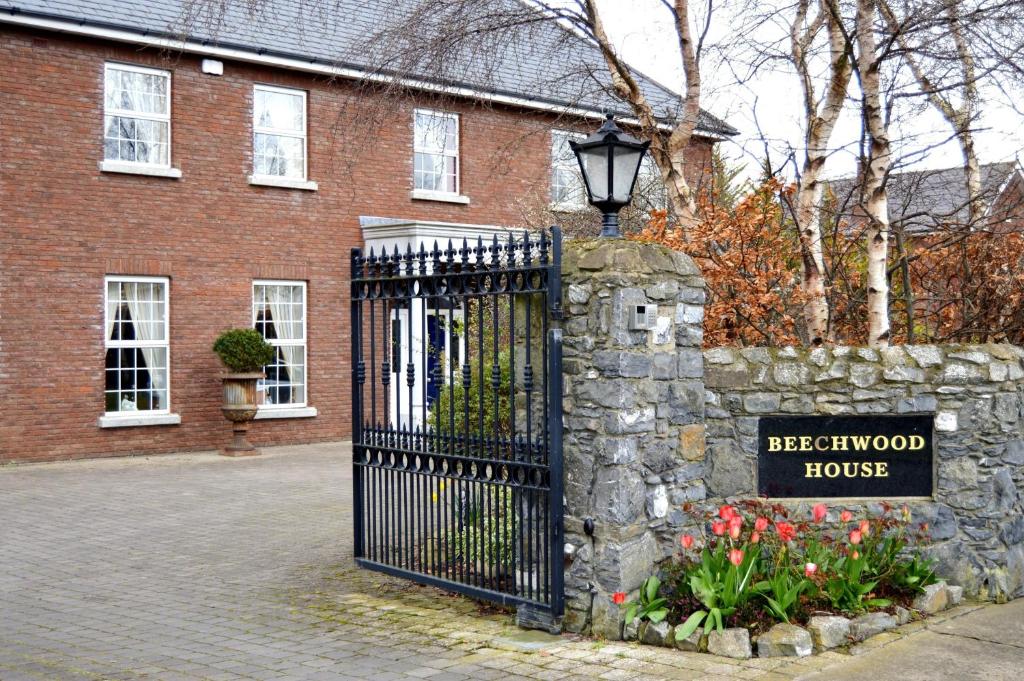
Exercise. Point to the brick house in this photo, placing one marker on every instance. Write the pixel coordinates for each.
(162, 184)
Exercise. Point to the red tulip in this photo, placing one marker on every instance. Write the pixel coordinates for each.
(718, 528)
(855, 537)
(734, 530)
(726, 512)
(819, 512)
(846, 516)
(736, 521)
(755, 537)
(786, 531)
(761, 524)
(865, 527)
(736, 557)
(686, 540)
(618, 598)
(810, 569)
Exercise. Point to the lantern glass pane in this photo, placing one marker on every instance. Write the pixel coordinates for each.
(595, 167)
(627, 161)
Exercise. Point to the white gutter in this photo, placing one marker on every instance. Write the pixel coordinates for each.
(120, 35)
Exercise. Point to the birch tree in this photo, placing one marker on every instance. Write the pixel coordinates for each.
(820, 116)
(952, 90)
(668, 148)
(875, 167)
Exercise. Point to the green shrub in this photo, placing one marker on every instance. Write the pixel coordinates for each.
(452, 402)
(243, 350)
(488, 534)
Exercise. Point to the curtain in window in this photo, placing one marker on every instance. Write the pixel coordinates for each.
(286, 326)
(147, 319)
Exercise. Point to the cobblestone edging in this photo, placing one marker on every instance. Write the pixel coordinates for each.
(975, 392)
(822, 633)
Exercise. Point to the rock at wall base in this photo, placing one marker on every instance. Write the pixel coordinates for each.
(829, 631)
(785, 640)
(934, 599)
(868, 625)
(734, 643)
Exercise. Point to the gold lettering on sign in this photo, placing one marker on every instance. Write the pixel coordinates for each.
(805, 443)
(916, 442)
(774, 444)
(813, 470)
(860, 442)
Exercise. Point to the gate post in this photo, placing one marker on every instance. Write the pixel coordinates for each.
(633, 412)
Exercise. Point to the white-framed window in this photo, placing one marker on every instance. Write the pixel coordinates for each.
(650, 192)
(137, 346)
(279, 133)
(279, 314)
(136, 115)
(567, 189)
(436, 152)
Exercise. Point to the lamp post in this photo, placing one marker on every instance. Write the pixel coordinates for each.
(610, 161)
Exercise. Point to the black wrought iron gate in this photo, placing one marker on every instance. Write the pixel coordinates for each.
(457, 423)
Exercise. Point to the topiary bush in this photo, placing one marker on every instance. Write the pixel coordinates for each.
(243, 350)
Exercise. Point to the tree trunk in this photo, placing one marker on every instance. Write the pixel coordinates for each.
(808, 220)
(817, 134)
(874, 198)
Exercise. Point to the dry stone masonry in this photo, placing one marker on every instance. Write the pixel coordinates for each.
(653, 422)
(975, 394)
(634, 410)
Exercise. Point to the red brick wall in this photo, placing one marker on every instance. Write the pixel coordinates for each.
(66, 225)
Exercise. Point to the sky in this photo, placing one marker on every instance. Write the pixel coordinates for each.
(768, 111)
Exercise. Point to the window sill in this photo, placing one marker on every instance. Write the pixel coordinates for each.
(139, 169)
(139, 420)
(285, 413)
(423, 195)
(283, 182)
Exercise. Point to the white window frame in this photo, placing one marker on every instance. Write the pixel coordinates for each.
(113, 419)
(279, 180)
(430, 194)
(118, 165)
(575, 167)
(294, 409)
(649, 174)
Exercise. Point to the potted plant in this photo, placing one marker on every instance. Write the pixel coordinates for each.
(244, 352)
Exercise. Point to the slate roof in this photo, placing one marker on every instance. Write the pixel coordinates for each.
(926, 200)
(543, 63)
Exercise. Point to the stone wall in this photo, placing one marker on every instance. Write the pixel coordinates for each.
(634, 406)
(653, 422)
(975, 393)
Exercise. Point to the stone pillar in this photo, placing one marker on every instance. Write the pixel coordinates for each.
(634, 409)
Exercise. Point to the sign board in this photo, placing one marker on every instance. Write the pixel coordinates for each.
(844, 456)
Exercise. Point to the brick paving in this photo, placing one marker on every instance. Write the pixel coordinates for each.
(201, 567)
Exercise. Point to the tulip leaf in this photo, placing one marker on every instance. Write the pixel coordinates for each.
(690, 625)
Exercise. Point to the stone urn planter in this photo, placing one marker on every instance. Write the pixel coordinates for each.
(240, 404)
(244, 352)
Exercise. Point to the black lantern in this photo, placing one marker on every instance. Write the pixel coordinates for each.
(610, 161)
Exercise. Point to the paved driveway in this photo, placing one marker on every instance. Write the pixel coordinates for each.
(202, 567)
